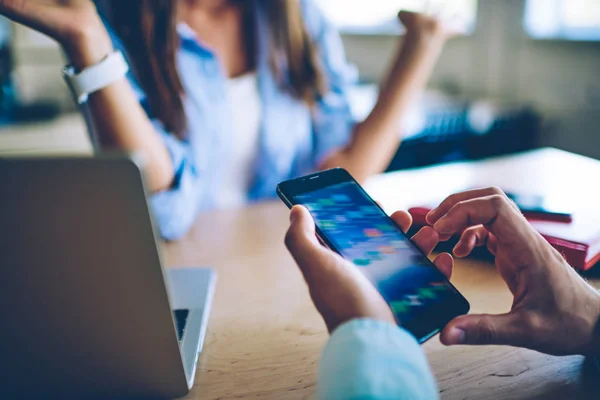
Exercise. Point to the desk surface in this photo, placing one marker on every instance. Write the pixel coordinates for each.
(265, 336)
(65, 135)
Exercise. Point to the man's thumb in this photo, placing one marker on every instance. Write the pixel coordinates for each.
(483, 329)
(302, 232)
(301, 240)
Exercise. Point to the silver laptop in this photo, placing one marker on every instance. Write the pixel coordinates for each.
(87, 308)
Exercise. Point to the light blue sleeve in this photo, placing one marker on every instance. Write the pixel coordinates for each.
(333, 123)
(367, 359)
(175, 209)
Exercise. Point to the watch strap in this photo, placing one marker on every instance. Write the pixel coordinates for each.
(96, 77)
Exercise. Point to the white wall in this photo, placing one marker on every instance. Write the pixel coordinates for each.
(561, 79)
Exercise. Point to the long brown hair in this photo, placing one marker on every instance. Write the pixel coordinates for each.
(148, 31)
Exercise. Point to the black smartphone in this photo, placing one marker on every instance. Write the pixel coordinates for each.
(350, 223)
(539, 208)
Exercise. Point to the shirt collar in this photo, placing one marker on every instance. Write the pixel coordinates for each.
(190, 40)
(185, 32)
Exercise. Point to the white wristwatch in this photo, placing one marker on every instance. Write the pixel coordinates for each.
(96, 77)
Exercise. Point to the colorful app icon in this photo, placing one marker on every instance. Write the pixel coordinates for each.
(312, 207)
(327, 202)
(414, 300)
(387, 250)
(400, 307)
(326, 224)
(341, 198)
(374, 255)
(438, 286)
(427, 293)
(369, 210)
(399, 244)
(341, 218)
(372, 233)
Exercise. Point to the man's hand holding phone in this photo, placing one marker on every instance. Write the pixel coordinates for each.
(350, 223)
(339, 291)
(554, 310)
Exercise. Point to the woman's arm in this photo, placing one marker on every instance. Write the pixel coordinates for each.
(375, 140)
(119, 119)
(116, 113)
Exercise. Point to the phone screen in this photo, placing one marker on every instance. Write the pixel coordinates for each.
(361, 232)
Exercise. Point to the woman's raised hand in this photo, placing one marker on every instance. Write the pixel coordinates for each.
(75, 24)
(439, 22)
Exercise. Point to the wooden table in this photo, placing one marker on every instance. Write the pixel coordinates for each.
(265, 336)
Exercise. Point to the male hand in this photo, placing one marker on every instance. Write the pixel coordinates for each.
(554, 310)
(338, 289)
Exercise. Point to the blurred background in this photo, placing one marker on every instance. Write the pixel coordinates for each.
(526, 75)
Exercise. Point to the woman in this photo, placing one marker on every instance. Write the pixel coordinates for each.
(228, 97)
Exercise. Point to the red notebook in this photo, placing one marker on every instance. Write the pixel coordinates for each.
(578, 241)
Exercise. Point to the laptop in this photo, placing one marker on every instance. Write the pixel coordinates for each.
(87, 309)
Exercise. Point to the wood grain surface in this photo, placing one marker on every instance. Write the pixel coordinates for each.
(265, 337)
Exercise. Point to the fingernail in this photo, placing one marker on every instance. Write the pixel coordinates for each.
(458, 251)
(441, 226)
(293, 215)
(430, 215)
(457, 336)
(455, 252)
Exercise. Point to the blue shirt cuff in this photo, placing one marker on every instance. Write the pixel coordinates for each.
(368, 359)
(175, 209)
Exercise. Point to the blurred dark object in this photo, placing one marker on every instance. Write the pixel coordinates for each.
(40, 111)
(461, 130)
(6, 66)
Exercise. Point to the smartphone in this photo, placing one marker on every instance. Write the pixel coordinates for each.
(538, 208)
(350, 223)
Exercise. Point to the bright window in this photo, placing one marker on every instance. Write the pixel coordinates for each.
(380, 16)
(563, 19)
